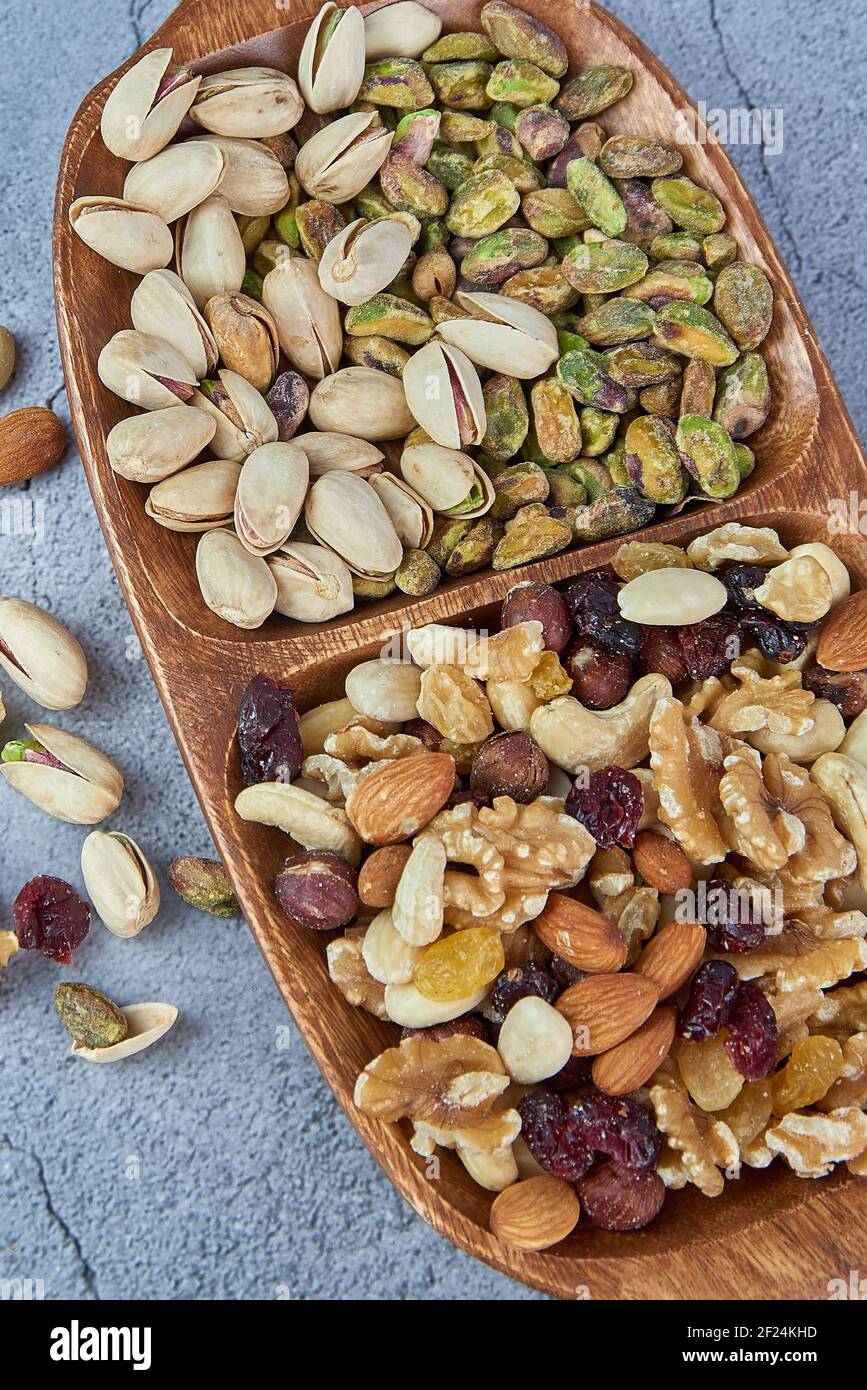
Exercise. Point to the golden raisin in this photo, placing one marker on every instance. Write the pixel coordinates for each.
(707, 1073)
(813, 1067)
(459, 965)
(550, 679)
(634, 558)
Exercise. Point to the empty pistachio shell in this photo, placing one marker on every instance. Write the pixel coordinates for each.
(143, 112)
(360, 401)
(249, 102)
(40, 655)
(196, 499)
(120, 882)
(344, 514)
(411, 516)
(146, 1024)
(163, 306)
(66, 776)
(744, 303)
(689, 206)
(270, 496)
(403, 30)
(503, 335)
(210, 254)
(145, 370)
(307, 318)
(448, 480)
(126, 234)
(363, 259)
(237, 586)
(313, 584)
(339, 160)
(444, 393)
(147, 448)
(594, 90)
(331, 65)
(246, 335)
(660, 598)
(176, 180)
(327, 451)
(254, 182)
(601, 267)
(242, 417)
(709, 455)
(89, 1017)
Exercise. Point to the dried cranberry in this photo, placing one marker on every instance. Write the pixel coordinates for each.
(751, 1045)
(576, 1073)
(50, 917)
(470, 1026)
(742, 582)
(609, 806)
(460, 794)
(710, 1001)
(550, 1136)
(618, 1127)
(710, 647)
(662, 653)
(614, 1198)
(268, 733)
(592, 603)
(564, 973)
(776, 640)
(846, 689)
(528, 603)
(516, 983)
(729, 920)
(601, 678)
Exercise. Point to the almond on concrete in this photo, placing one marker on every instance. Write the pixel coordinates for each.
(602, 1010)
(31, 441)
(661, 862)
(671, 956)
(581, 935)
(631, 1063)
(535, 1213)
(843, 643)
(395, 801)
(380, 875)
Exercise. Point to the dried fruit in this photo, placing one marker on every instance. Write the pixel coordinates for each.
(621, 1129)
(204, 885)
(708, 1071)
(751, 1044)
(553, 1140)
(710, 1001)
(614, 1198)
(459, 965)
(89, 1017)
(50, 917)
(730, 927)
(318, 889)
(609, 805)
(593, 607)
(268, 734)
(517, 982)
(813, 1067)
(535, 1214)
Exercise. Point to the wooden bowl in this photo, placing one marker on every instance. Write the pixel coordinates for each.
(771, 1235)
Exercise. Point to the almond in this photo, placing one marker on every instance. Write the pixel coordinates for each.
(631, 1063)
(661, 862)
(380, 875)
(604, 1009)
(843, 643)
(395, 801)
(535, 1213)
(671, 956)
(581, 936)
(31, 440)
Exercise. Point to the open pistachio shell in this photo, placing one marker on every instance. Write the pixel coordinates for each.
(210, 254)
(448, 480)
(142, 113)
(444, 393)
(127, 234)
(411, 516)
(40, 655)
(343, 512)
(145, 370)
(313, 584)
(120, 882)
(248, 102)
(308, 319)
(503, 335)
(147, 448)
(342, 158)
(331, 66)
(363, 402)
(364, 258)
(176, 180)
(85, 789)
(243, 418)
(403, 30)
(246, 336)
(254, 182)
(237, 586)
(329, 452)
(163, 306)
(196, 499)
(270, 496)
(146, 1024)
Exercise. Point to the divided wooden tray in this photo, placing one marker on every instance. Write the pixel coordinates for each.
(771, 1235)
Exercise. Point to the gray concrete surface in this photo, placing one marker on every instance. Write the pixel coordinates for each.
(217, 1165)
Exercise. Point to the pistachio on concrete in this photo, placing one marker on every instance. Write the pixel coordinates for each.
(411, 516)
(89, 1017)
(594, 90)
(288, 400)
(329, 452)
(363, 258)
(444, 395)
(146, 1024)
(392, 317)
(601, 267)
(448, 480)
(533, 534)
(237, 586)
(344, 514)
(246, 335)
(254, 182)
(410, 188)
(247, 102)
(313, 584)
(209, 251)
(146, 448)
(597, 196)
(339, 160)
(176, 180)
(653, 461)
(163, 306)
(585, 373)
(143, 111)
(521, 83)
(743, 301)
(743, 396)
(503, 335)
(145, 370)
(689, 206)
(40, 655)
(708, 453)
(555, 419)
(482, 205)
(462, 86)
(396, 82)
(694, 332)
(196, 499)
(507, 417)
(242, 417)
(360, 401)
(204, 885)
(270, 496)
(331, 66)
(307, 319)
(126, 234)
(120, 882)
(403, 30)
(63, 775)
(520, 35)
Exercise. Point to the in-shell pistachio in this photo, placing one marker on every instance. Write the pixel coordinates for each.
(344, 514)
(313, 584)
(248, 102)
(270, 496)
(126, 234)
(448, 480)
(307, 319)
(209, 251)
(143, 111)
(242, 417)
(254, 182)
(246, 335)
(120, 882)
(339, 160)
(444, 394)
(503, 335)
(362, 402)
(363, 259)
(145, 370)
(237, 586)
(411, 516)
(331, 66)
(63, 775)
(162, 306)
(402, 30)
(41, 655)
(146, 448)
(196, 499)
(176, 180)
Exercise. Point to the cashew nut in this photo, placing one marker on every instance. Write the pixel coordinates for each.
(307, 818)
(825, 735)
(843, 782)
(854, 744)
(575, 737)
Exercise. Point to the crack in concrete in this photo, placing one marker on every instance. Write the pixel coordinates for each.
(135, 15)
(751, 105)
(88, 1273)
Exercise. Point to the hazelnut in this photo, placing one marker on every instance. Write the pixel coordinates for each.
(510, 764)
(662, 655)
(420, 728)
(601, 678)
(530, 602)
(318, 889)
